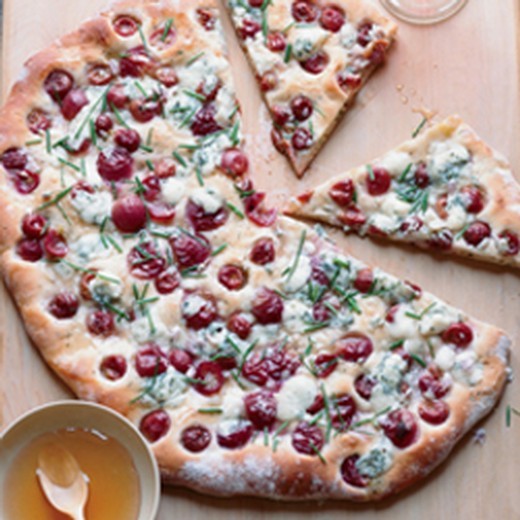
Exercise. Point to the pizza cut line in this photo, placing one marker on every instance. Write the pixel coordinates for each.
(253, 355)
(310, 59)
(445, 190)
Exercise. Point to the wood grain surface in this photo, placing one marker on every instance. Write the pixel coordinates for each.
(467, 65)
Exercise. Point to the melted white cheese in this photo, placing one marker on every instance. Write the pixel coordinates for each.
(92, 207)
(209, 199)
(296, 395)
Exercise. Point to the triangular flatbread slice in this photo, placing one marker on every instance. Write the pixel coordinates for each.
(444, 190)
(310, 60)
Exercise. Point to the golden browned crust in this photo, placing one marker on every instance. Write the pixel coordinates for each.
(257, 469)
(334, 101)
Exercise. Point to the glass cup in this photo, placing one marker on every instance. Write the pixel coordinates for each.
(423, 11)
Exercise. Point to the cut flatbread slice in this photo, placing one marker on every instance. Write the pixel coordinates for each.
(445, 190)
(310, 59)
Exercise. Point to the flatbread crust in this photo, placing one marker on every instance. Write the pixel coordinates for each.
(331, 100)
(485, 169)
(257, 469)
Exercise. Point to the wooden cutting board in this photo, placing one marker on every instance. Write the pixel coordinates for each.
(468, 65)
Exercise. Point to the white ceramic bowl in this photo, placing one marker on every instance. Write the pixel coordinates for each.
(79, 414)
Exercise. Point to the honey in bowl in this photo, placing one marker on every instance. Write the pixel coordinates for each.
(113, 482)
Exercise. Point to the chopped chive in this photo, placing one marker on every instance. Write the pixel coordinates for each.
(235, 376)
(191, 61)
(149, 137)
(416, 132)
(412, 315)
(326, 403)
(93, 134)
(396, 344)
(90, 113)
(288, 53)
(266, 436)
(235, 210)
(151, 323)
(265, 26)
(141, 88)
(299, 251)
(48, 145)
(508, 416)
(194, 381)
(419, 360)
(233, 112)
(405, 173)
(120, 314)
(63, 213)
(167, 28)
(118, 115)
(149, 165)
(83, 167)
(219, 250)
(146, 148)
(143, 39)
(187, 118)
(460, 234)
(371, 174)
(248, 351)
(114, 244)
(55, 199)
(308, 349)
(210, 410)
(198, 173)
(371, 419)
(190, 147)
(69, 164)
(195, 95)
(233, 136)
(180, 159)
(316, 326)
(288, 27)
(317, 451)
(33, 142)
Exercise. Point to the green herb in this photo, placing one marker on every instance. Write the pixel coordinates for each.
(62, 194)
(235, 376)
(233, 136)
(326, 403)
(294, 266)
(90, 113)
(422, 314)
(198, 173)
(143, 39)
(83, 166)
(69, 164)
(167, 28)
(180, 159)
(48, 145)
(243, 193)
(93, 134)
(288, 53)
(195, 95)
(266, 436)
(114, 244)
(316, 326)
(370, 419)
(194, 381)
(210, 410)
(371, 174)
(265, 25)
(416, 132)
(151, 323)
(317, 451)
(97, 274)
(219, 250)
(146, 148)
(33, 142)
(149, 137)
(191, 61)
(405, 173)
(430, 348)
(233, 112)
(141, 88)
(187, 118)
(419, 360)
(288, 27)
(235, 210)
(460, 234)
(509, 413)
(121, 315)
(149, 165)
(396, 344)
(277, 433)
(248, 351)
(118, 115)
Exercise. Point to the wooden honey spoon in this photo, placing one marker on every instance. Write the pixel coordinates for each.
(63, 483)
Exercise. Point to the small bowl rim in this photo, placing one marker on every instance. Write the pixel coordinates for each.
(154, 486)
